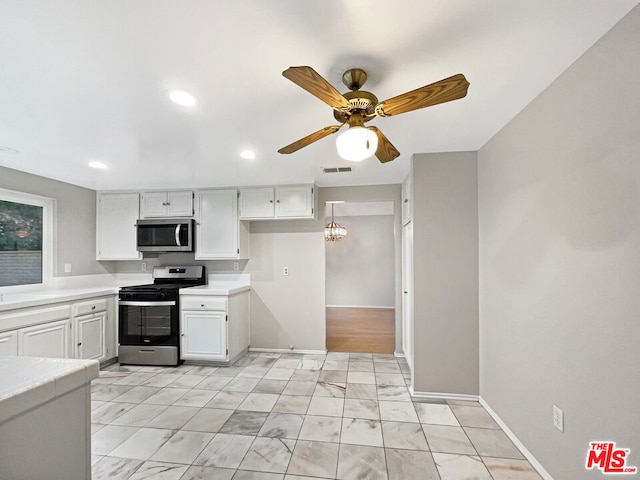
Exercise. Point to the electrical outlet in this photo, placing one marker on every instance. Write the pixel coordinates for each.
(67, 268)
(236, 266)
(143, 266)
(558, 418)
(285, 271)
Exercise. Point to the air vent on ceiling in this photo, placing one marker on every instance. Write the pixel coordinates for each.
(336, 170)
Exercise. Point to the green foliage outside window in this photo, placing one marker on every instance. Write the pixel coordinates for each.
(20, 226)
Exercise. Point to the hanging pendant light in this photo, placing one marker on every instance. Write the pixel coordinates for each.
(333, 231)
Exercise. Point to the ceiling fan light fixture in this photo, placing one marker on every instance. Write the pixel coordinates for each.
(357, 144)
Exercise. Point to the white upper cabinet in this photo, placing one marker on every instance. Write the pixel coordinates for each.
(257, 202)
(117, 214)
(167, 204)
(294, 201)
(219, 233)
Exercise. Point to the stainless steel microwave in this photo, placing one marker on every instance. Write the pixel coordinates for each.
(165, 235)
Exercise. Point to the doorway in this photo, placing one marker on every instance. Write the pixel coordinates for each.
(360, 278)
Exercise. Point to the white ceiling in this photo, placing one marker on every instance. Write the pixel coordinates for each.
(84, 80)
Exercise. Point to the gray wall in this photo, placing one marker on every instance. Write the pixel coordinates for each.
(75, 241)
(445, 273)
(360, 268)
(559, 208)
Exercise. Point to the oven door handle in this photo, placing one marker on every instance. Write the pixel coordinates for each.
(178, 234)
(146, 304)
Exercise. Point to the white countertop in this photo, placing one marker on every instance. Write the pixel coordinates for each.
(218, 284)
(31, 381)
(11, 301)
(217, 288)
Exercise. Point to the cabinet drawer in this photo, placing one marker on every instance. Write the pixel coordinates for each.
(203, 303)
(90, 307)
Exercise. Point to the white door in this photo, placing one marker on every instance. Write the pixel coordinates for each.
(294, 201)
(89, 336)
(9, 343)
(47, 340)
(407, 293)
(116, 226)
(217, 229)
(204, 336)
(257, 202)
(180, 204)
(153, 204)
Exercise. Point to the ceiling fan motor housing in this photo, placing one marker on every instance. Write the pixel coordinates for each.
(361, 102)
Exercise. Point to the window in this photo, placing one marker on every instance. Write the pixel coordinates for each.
(25, 239)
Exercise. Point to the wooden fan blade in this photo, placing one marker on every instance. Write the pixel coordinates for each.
(451, 88)
(312, 82)
(386, 151)
(309, 139)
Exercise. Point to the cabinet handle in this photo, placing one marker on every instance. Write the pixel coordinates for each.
(406, 200)
(270, 201)
(202, 305)
(278, 201)
(79, 343)
(93, 307)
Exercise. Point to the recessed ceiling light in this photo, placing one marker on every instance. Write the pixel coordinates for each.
(13, 151)
(99, 165)
(182, 98)
(248, 154)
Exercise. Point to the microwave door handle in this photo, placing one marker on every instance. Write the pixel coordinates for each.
(178, 234)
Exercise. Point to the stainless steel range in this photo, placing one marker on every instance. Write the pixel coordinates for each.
(149, 316)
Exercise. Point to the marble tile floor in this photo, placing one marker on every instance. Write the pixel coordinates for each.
(276, 416)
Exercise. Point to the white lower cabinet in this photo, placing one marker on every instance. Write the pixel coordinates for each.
(214, 327)
(204, 335)
(93, 337)
(47, 340)
(9, 343)
(84, 330)
(89, 336)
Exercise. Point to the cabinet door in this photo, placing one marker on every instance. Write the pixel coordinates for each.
(90, 336)
(204, 336)
(257, 203)
(117, 214)
(154, 204)
(180, 204)
(47, 340)
(9, 343)
(296, 201)
(217, 229)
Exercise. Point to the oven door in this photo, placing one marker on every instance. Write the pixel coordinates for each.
(148, 322)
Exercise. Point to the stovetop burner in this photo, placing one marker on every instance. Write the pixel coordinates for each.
(167, 281)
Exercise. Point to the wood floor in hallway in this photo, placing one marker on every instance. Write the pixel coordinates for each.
(361, 330)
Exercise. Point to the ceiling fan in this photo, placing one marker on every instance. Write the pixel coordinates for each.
(356, 107)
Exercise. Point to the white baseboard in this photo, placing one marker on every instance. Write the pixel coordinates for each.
(287, 350)
(443, 396)
(360, 306)
(519, 445)
(399, 354)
